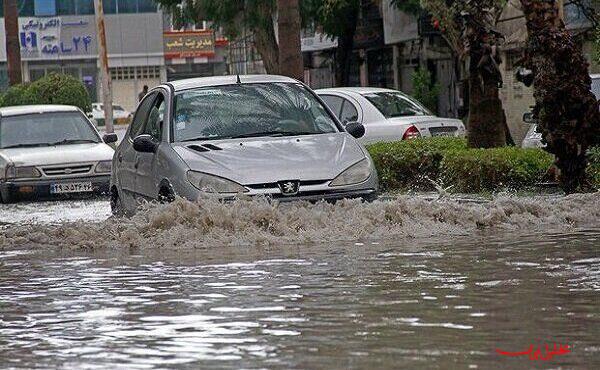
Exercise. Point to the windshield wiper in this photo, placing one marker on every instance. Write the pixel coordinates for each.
(31, 145)
(74, 141)
(275, 134)
(207, 138)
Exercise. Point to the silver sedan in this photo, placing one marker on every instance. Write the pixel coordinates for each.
(230, 136)
(388, 115)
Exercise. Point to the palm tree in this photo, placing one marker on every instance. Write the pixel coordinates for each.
(288, 25)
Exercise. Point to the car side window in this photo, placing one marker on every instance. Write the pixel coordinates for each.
(349, 112)
(137, 125)
(154, 124)
(334, 103)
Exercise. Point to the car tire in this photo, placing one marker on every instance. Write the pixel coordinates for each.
(116, 204)
(166, 196)
(6, 199)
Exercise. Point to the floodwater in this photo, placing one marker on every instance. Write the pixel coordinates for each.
(407, 283)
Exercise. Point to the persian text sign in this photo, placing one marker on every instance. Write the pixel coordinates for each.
(189, 44)
(51, 38)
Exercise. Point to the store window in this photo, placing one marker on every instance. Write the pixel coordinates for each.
(75, 7)
(44, 7)
(26, 8)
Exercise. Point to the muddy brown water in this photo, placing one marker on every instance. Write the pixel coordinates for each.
(423, 298)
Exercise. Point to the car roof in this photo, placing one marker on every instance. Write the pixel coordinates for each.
(192, 83)
(356, 90)
(33, 109)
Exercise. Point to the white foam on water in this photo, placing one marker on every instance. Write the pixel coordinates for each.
(209, 223)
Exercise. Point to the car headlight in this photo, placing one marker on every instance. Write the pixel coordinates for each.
(355, 174)
(104, 167)
(28, 172)
(214, 184)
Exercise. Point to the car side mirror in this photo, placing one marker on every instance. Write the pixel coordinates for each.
(145, 144)
(356, 129)
(110, 138)
(528, 118)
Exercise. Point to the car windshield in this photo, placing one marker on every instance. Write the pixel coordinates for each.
(395, 104)
(249, 110)
(56, 128)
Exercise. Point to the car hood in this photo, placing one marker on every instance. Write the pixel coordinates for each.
(268, 160)
(50, 155)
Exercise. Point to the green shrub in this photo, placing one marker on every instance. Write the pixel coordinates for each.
(594, 166)
(64, 89)
(18, 95)
(52, 89)
(409, 165)
(418, 164)
(477, 170)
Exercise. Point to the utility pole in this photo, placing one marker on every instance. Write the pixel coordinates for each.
(13, 48)
(103, 57)
(288, 28)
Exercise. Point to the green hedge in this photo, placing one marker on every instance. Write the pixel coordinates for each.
(54, 88)
(413, 165)
(594, 165)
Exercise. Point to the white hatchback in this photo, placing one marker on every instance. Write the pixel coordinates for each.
(388, 115)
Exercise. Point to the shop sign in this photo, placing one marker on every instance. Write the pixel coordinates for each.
(51, 38)
(189, 44)
(318, 41)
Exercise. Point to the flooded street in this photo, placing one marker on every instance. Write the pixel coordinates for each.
(406, 283)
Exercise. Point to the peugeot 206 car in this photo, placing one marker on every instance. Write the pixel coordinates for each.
(49, 151)
(228, 136)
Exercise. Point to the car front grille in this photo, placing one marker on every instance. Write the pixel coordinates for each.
(67, 170)
(274, 185)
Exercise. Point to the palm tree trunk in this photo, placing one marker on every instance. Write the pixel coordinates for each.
(567, 111)
(290, 53)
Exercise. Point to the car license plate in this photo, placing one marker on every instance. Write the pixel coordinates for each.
(73, 187)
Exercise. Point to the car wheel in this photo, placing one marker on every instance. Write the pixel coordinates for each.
(166, 196)
(116, 204)
(6, 199)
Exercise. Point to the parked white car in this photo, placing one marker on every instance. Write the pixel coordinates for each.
(533, 139)
(388, 115)
(120, 115)
(50, 150)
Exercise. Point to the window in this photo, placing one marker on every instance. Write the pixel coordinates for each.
(128, 6)
(155, 119)
(249, 110)
(349, 112)
(146, 6)
(137, 125)
(26, 8)
(110, 6)
(135, 73)
(46, 128)
(334, 103)
(396, 104)
(44, 7)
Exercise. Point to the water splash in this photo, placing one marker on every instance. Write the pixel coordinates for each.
(209, 223)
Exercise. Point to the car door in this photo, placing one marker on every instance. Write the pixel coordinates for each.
(127, 157)
(148, 179)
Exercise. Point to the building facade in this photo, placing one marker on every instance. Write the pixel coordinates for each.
(60, 36)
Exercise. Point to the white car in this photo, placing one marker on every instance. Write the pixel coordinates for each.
(533, 139)
(388, 115)
(51, 150)
(120, 115)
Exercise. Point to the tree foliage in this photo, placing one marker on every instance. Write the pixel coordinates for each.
(567, 111)
(424, 90)
(55, 88)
